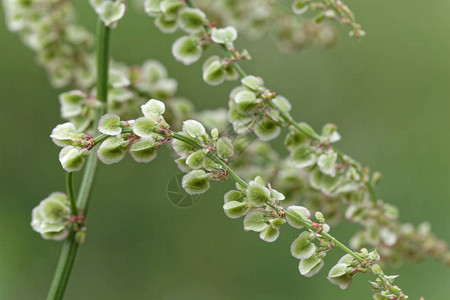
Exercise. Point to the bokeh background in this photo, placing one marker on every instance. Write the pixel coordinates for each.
(389, 94)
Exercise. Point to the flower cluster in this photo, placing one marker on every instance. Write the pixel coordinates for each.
(140, 137)
(315, 172)
(256, 203)
(256, 108)
(49, 28)
(334, 10)
(248, 109)
(260, 204)
(256, 18)
(196, 157)
(51, 217)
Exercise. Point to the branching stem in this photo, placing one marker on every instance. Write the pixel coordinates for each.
(244, 184)
(70, 247)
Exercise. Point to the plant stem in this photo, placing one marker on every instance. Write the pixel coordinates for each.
(70, 247)
(70, 193)
(244, 184)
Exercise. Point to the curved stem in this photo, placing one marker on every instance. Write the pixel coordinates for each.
(70, 247)
(244, 184)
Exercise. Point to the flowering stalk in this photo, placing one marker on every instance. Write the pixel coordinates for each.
(70, 247)
(205, 158)
(244, 184)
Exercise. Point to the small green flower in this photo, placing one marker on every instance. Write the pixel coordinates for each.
(110, 124)
(194, 128)
(266, 129)
(213, 71)
(223, 35)
(144, 150)
(196, 182)
(72, 103)
(50, 218)
(257, 194)
(146, 127)
(269, 234)
(195, 160)
(65, 135)
(246, 100)
(252, 83)
(165, 24)
(299, 212)
(111, 12)
(339, 276)
(309, 267)
(112, 150)
(153, 108)
(187, 49)
(255, 221)
(302, 247)
(234, 195)
(170, 8)
(326, 163)
(235, 209)
(191, 19)
(72, 158)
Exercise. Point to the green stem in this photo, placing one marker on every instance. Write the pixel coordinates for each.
(244, 184)
(70, 247)
(70, 193)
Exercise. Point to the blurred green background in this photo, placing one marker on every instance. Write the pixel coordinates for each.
(389, 94)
